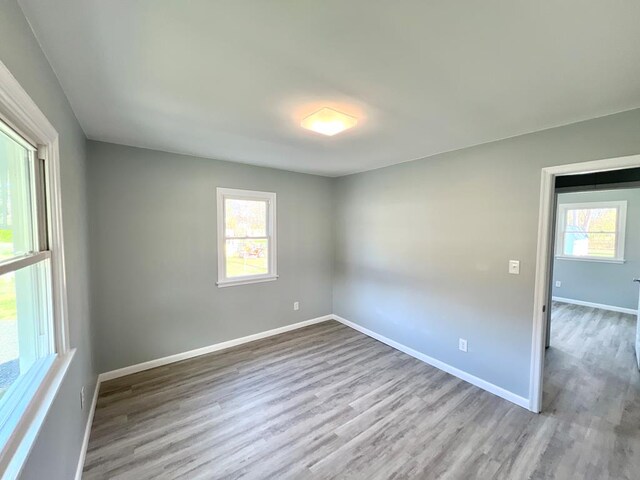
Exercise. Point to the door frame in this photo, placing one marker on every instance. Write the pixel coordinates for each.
(544, 257)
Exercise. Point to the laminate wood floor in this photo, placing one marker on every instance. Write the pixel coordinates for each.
(328, 402)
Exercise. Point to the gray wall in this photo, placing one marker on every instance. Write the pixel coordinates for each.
(154, 263)
(55, 454)
(421, 248)
(598, 282)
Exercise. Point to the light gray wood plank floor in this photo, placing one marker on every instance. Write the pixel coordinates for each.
(328, 402)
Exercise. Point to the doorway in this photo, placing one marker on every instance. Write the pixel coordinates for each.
(592, 316)
(548, 243)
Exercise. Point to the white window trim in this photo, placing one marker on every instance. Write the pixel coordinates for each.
(620, 205)
(270, 197)
(22, 114)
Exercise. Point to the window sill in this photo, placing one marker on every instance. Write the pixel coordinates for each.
(591, 259)
(246, 281)
(16, 448)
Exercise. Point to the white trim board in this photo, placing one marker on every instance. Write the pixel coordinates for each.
(270, 199)
(23, 116)
(121, 372)
(467, 377)
(620, 207)
(601, 306)
(87, 432)
(159, 362)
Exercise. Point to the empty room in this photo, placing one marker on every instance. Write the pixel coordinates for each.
(272, 239)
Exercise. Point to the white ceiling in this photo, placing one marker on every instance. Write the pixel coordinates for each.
(232, 79)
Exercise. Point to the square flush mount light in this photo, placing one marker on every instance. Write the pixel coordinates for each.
(329, 122)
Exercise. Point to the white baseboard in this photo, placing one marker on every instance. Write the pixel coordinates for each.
(467, 377)
(159, 362)
(601, 306)
(121, 372)
(87, 432)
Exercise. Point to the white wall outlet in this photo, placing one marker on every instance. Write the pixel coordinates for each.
(514, 267)
(462, 344)
(558, 283)
(296, 305)
(82, 398)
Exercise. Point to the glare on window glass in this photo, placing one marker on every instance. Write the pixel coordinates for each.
(16, 220)
(246, 256)
(25, 319)
(591, 232)
(245, 218)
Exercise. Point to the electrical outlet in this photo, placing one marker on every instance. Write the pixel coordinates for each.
(82, 398)
(558, 283)
(296, 305)
(462, 344)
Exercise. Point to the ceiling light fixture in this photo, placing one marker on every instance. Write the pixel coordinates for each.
(328, 121)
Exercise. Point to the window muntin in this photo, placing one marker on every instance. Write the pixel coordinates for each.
(26, 319)
(246, 236)
(591, 231)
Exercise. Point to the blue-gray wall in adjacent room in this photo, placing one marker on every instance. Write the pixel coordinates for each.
(422, 248)
(154, 260)
(598, 282)
(55, 453)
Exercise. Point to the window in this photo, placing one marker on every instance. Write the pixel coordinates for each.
(26, 328)
(246, 237)
(34, 340)
(25, 294)
(591, 231)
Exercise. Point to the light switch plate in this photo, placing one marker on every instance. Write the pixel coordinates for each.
(514, 267)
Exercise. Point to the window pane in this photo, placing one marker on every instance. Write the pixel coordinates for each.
(16, 217)
(245, 218)
(247, 257)
(25, 323)
(592, 220)
(590, 244)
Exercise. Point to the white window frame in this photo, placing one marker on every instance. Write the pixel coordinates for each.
(237, 194)
(619, 205)
(22, 115)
